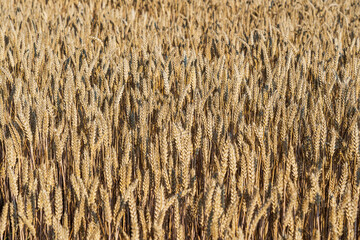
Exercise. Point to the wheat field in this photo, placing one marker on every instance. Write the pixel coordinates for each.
(192, 119)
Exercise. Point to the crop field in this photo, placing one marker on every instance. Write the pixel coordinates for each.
(198, 119)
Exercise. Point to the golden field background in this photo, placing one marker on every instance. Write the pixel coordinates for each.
(179, 119)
